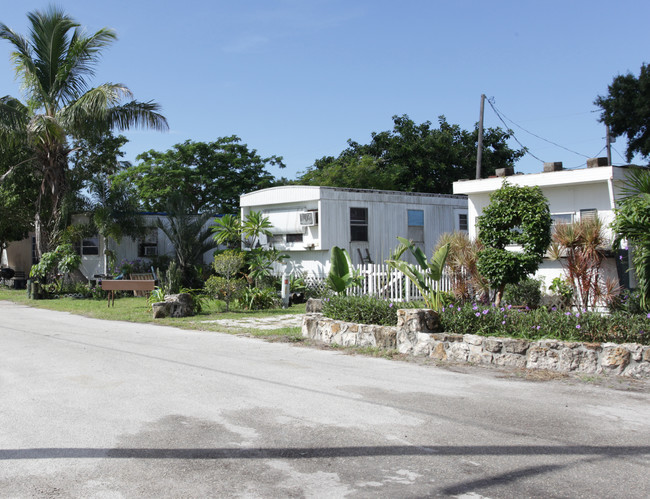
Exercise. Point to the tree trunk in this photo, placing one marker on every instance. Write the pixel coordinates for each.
(499, 295)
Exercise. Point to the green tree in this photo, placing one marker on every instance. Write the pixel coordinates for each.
(189, 236)
(114, 212)
(211, 176)
(226, 283)
(55, 64)
(515, 216)
(231, 231)
(363, 172)
(17, 194)
(631, 223)
(414, 158)
(626, 110)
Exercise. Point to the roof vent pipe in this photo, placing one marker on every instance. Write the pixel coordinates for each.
(553, 167)
(504, 172)
(596, 162)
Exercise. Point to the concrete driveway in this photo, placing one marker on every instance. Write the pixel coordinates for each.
(98, 409)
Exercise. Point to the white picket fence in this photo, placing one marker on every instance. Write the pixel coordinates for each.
(384, 282)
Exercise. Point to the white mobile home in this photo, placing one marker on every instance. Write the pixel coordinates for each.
(21, 255)
(572, 195)
(309, 220)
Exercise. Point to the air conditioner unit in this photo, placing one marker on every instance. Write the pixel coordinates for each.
(308, 218)
(150, 250)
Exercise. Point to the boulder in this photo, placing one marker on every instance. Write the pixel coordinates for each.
(180, 305)
(314, 306)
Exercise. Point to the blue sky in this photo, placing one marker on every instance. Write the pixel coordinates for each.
(298, 78)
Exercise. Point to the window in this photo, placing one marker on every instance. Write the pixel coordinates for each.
(294, 238)
(463, 223)
(415, 225)
(90, 246)
(148, 245)
(562, 218)
(276, 239)
(589, 214)
(358, 224)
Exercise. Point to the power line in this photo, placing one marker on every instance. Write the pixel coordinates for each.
(511, 131)
(582, 165)
(622, 157)
(533, 134)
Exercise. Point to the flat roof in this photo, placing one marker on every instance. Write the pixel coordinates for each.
(317, 190)
(544, 179)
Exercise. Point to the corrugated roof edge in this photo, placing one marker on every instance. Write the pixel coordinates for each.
(350, 189)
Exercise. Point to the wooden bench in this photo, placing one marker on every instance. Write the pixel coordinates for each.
(125, 285)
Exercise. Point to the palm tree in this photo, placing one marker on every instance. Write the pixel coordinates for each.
(188, 234)
(55, 63)
(114, 208)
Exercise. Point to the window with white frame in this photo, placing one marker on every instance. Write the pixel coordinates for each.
(463, 222)
(90, 246)
(148, 245)
(359, 224)
(415, 220)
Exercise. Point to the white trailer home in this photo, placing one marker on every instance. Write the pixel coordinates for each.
(21, 255)
(309, 220)
(572, 195)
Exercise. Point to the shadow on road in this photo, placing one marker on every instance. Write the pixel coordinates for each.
(322, 452)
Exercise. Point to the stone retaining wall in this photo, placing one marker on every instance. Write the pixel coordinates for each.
(415, 334)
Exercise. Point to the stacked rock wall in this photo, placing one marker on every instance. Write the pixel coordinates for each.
(415, 334)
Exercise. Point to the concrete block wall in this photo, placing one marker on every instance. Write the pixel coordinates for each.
(417, 333)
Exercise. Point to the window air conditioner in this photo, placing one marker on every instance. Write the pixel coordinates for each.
(308, 218)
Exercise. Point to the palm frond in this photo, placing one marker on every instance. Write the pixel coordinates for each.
(139, 115)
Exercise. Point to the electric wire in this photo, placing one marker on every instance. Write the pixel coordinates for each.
(622, 157)
(531, 133)
(511, 131)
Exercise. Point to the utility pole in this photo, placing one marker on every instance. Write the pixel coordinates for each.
(609, 147)
(479, 152)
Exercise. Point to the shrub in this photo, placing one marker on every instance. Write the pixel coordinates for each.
(224, 289)
(515, 215)
(627, 301)
(259, 299)
(546, 323)
(365, 309)
(526, 293)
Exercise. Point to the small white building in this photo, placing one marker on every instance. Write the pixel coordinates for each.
(572, 195)
(309, 220)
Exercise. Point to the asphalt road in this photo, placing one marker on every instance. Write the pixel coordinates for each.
(99, 409)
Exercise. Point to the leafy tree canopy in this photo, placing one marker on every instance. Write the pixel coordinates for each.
(17, 194)
(516, 215)
(414, 158)
(632, 222)
(210, 175)
(626, 109)
(55, 63)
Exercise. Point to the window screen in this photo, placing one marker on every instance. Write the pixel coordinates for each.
(358, 224)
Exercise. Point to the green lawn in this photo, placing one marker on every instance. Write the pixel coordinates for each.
(135, 309)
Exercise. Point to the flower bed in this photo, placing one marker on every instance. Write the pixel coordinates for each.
(506, 321)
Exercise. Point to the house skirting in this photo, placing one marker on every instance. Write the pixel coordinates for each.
(413, 335)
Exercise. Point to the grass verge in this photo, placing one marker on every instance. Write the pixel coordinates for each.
(136, 309)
